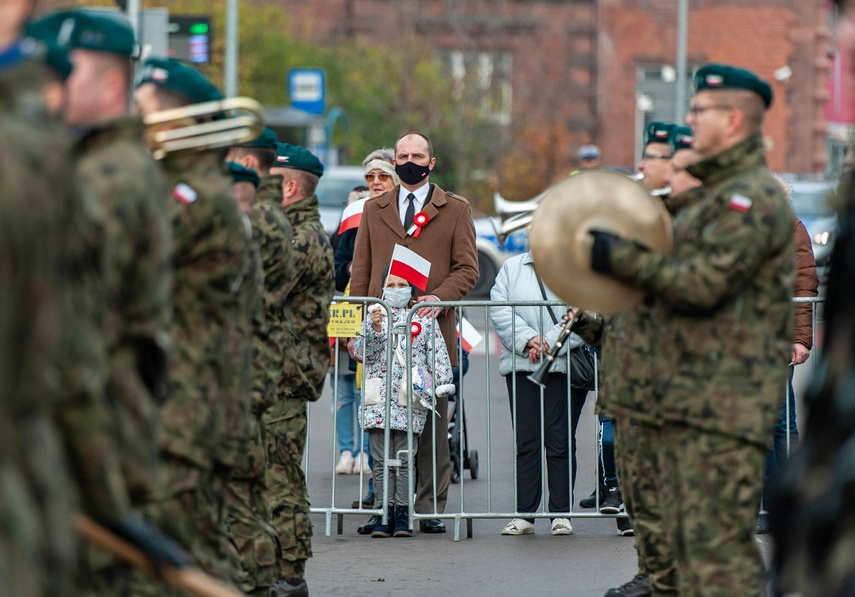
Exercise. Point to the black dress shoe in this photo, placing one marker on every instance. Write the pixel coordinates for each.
(367, 503)
(368, 527)
(431, 525)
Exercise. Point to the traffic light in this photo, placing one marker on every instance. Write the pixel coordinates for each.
(190, 38)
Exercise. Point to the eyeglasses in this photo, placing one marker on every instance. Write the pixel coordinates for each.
(382, 177)
(697, 110)
(649, 155)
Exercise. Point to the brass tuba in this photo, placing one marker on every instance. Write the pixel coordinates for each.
(207, 125)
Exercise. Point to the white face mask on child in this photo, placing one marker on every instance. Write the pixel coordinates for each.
(398, 297)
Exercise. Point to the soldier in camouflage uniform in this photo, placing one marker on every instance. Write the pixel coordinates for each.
(206, 414)
(113, 170)
(68, 377)
(36, 499)
(250, 514)
(306, 360)
(628, 340)
(723, 321)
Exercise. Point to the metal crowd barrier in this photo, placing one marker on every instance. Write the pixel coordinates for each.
(492, 487)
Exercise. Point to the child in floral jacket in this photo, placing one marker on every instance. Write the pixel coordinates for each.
(430, 359)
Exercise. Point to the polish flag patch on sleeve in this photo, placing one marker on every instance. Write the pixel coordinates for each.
(184, 193)
(740, 202)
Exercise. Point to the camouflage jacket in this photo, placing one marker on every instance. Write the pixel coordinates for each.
(307, 349)
(723, 299)
(628, 340)
(251, 462)
(211, 260)
(270, 189)
(114, 170)
(273, 236)
(72, 378)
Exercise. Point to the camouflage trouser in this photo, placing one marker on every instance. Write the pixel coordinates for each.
(191, 511)
(711, 488)
(54, 496)
(638, 475)
(20, 533)
(250, 528)
(289, 499)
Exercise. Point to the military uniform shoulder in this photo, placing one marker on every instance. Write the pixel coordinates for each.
(754, 189)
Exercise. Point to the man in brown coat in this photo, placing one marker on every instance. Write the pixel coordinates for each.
(787, 431)
(447, 241)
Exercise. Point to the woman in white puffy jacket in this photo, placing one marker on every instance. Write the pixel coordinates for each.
(527, 333)
(430, 356)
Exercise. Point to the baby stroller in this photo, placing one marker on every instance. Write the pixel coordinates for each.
(458, 430)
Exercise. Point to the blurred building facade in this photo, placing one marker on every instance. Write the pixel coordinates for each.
(562, 73)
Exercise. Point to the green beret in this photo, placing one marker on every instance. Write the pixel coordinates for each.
(680, 137)
(243, 174)
(298, 158)
(100, 33)
(657, 132)
(723, 76)
(176, 76)
(57, 59)
(268, 139)
(46, 31)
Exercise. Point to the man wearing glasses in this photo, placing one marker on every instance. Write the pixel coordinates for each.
(723, 323)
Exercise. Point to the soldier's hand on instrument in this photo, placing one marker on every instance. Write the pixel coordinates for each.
(428, 311)
(159, 548)
(601, 250)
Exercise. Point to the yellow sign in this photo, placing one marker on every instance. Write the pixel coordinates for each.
(345, 320)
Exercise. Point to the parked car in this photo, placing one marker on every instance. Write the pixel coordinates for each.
(810, 204)
(333, 188)
(492, 253)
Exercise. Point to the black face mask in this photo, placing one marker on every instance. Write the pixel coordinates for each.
(411, 173)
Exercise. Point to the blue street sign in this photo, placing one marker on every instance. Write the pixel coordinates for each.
(307, 89)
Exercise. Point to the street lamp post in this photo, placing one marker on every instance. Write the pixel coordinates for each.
(682, 34)
(231, 65)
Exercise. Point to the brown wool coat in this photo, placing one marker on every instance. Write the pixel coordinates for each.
(807, 284)
(447, 241)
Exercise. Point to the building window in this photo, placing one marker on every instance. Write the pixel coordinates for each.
(483, 79)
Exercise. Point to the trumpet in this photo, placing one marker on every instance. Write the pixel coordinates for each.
(503, 228)
(168, 131)
(539, 375)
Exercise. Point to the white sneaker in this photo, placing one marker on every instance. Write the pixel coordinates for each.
(345, 463)
(518, 526)
(361, 462)
(561, 526)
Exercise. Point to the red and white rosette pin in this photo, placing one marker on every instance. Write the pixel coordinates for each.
(415, 329)
(420, 220)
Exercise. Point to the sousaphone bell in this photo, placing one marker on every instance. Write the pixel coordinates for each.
(561, 246)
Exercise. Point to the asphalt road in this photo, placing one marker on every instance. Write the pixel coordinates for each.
(585, 563)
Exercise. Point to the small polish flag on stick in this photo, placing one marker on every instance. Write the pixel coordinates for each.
(352, 215)
(470, 338)
(410, 266)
